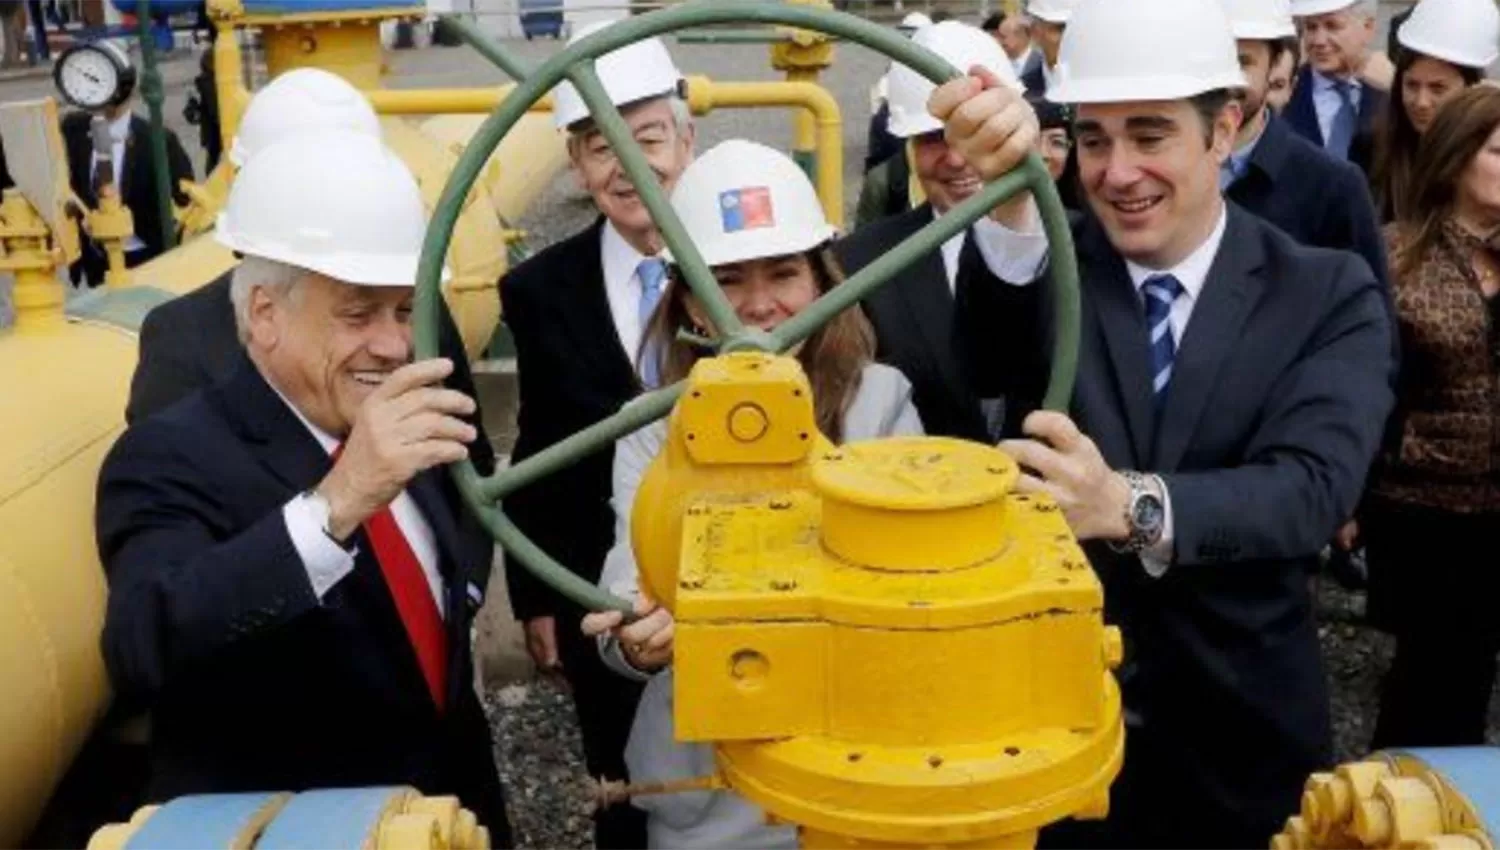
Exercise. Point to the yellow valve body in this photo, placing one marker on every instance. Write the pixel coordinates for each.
(885, 642)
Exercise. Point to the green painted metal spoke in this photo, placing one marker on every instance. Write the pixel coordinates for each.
(684, 253)
(632, 417)
(575, 63)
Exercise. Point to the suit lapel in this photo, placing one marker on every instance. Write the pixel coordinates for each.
(1122, 322)
(1302, 113)
(929, 302)
(590, 320)
(1229, 293)
(427, 491)
(287, 448)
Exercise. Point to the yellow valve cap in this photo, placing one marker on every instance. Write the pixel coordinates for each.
(885, 501)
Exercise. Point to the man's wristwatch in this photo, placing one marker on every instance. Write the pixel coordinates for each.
(1145, 514)
(323, 511)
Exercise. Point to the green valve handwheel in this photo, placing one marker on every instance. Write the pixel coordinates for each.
(576, 64)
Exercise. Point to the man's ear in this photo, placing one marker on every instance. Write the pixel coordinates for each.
(1227, 127)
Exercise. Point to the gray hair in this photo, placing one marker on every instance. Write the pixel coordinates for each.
(252, 272)
(682, 117)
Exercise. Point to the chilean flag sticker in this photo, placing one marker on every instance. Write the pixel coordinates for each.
(746, 209)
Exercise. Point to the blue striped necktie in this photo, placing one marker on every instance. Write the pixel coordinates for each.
(1161, 291)
(1345, 121)
(653, 275)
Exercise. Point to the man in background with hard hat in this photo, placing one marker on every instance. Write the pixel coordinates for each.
(1231, 390)
(1049, 20)
(1281, 177)
(190, 342)
(1333, 105)
(577, 310)
(292, 577)
(880, 145)
(1014, 34)
(924, 320)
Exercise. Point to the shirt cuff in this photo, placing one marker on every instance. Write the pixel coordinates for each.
(326, 562)
(1017, 257)
(1158, 557)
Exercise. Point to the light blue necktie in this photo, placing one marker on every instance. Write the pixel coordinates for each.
(653, 275)
(1341, 134)
(1161, 291)
(1233, 169)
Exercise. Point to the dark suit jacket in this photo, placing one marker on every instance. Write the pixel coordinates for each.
(916, 331)
(190, 342)
(1302, 116)
(1278, 395)
(137, 181)
(573, 373)
(212, 623)
(1317, 199)
(1032, 78)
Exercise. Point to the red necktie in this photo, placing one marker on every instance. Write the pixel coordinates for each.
(412, 595)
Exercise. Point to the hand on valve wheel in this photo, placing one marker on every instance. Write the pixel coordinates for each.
(647, 642)
(987, 122)
(407, 424)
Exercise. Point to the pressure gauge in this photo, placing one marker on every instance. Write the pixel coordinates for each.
(94, 75)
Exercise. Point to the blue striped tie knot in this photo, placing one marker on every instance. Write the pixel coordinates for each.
(1161, 292)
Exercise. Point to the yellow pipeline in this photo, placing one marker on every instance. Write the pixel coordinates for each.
(704, 96)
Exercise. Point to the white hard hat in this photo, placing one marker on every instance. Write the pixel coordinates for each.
(334, 202)
(915, 21)
(1261, 20)
(1052, 11)
(964, 46)
(635, 72)
(298, 101)
(1464, 32)
(1304, 8)
(1117, 52)
(744, 201)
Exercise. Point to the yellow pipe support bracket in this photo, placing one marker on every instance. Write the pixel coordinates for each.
(111, 225)
(38, 295)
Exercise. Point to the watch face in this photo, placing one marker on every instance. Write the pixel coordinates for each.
(1149, 514)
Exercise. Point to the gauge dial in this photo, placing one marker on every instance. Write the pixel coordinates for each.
(89, 77)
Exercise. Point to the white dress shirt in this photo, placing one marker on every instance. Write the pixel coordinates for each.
(1192, 273)
(1049, 75)
(119, 133)
(1014, 256)
(622, 286)
(327, 562)
(1326, 100)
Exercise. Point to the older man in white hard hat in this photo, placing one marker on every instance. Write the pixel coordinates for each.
(1232, 389)
(1049, 20)
(292, 579)
(924, 321)
(190, 342)
(1335, 102)
(576, 310)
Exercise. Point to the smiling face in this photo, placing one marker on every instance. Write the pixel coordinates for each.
(327, 345)
(1279, 82)
(1255, 62)
(668, 149)
(1335, 43)
(763, 292)
(1479, 187)
(1424, 87)
(1151, 171)
(945, 176)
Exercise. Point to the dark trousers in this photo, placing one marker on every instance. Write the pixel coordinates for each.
(1434, 580)
(606, 703)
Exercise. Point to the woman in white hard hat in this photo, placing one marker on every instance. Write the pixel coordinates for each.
(756, 219)
(1432, 511)
(1446, 45)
